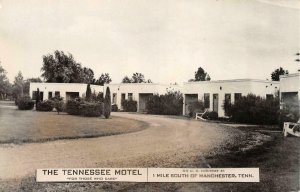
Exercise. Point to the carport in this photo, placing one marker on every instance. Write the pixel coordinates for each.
(143, 97)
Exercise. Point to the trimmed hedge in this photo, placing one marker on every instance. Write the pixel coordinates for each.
(129, 105)
(168, 104)
(253, 109)
(84, 108)
(47, 105)
(25, 103)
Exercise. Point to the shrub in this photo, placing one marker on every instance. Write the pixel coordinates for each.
(129, 105)
(107, 103)
(289, 112)
(168, 104)
(84, 108)
(211, 115)
(89, 109)
(47, 105)
(58, 104)
(114, 108)
(73, 106)
(254, 109)
(25, 103)
(196, 107)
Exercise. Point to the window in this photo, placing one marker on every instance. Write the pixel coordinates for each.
(130, 96)
(114, 98)
(206, 100)
(57, 94)
(49, 95)
(237, 96)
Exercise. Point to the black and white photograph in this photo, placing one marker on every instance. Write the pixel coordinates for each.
(149, 95)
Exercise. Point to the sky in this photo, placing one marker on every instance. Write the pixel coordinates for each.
(166, 40)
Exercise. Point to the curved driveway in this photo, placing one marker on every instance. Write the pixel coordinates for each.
(166, 140)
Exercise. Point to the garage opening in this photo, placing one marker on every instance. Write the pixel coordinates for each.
(72, 95)
(189, 98)
(143, 97)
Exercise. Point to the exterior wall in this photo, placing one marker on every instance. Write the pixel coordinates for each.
(243, 86)
(63, 88)
(136, 89)
(290, 84)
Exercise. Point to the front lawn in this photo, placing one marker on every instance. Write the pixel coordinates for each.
(31, 126)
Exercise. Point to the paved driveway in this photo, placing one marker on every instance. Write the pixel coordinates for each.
(166, 142)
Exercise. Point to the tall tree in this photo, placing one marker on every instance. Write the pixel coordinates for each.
(103, 79)
(107, 103)
(201, 75)
(275, 75)
(18, 87)
(88, 93)
(136, 78)
(5, 86)
(62, 68)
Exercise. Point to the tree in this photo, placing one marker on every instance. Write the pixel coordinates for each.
(62, 68)
(201, 75)
(18, 87)
(88, 92)
(136, 78)
(126, 79)
(5, 86)
(107, 103)
(275, 75)
(87, 75)
(103, 79)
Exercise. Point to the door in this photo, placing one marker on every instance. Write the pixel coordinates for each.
(215, 102)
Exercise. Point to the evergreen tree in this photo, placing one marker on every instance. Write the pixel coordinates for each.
(107, 103)
(88, 92)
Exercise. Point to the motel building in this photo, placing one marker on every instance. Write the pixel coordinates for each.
(290, 90)
(65, 90)
(139, 92)
(214, 93)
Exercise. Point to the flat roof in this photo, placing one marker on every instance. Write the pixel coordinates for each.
(290, 75)
(233, 80)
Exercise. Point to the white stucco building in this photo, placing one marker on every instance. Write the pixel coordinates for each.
(138, 92)
(214, 93)
(290, 90)
(65, 90)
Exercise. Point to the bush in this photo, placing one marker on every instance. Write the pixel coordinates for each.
(211, 115)
(58, 104)
(84, 108)
(47, 105)
(129, 105)
(254, 110)
(168, 104)
(289, 112)
(25, 103)
(89, 109)
(73, 106)
(196, 107)
(114, 108)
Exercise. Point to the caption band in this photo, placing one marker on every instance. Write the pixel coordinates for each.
(148, 175)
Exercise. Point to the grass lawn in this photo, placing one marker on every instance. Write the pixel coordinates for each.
(31, 126)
